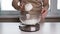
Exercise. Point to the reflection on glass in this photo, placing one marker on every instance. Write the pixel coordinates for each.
(0, 4)
(49, 4)
(58, 4)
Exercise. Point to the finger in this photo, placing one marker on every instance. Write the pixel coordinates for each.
(44, 14)
(43, 10)
(21, 6)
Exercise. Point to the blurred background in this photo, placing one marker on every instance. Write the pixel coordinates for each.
(9, 19)
(54, 8)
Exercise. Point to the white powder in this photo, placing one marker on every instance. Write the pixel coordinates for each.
(31, 21)
(28, 7)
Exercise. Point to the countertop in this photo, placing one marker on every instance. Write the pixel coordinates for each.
(45, 28)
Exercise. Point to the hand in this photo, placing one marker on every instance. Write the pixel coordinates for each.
(44, 14)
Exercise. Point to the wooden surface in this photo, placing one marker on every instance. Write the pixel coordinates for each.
(46, 28)
(17, 20)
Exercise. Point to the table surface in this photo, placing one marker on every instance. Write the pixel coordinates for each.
(45, 28)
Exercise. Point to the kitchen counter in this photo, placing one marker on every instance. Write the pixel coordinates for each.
(45, 28)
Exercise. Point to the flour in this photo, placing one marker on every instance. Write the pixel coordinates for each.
(31, 21)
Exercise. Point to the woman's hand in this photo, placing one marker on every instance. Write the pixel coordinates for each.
(44, 14)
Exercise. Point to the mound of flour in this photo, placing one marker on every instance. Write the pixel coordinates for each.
(31, 21)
